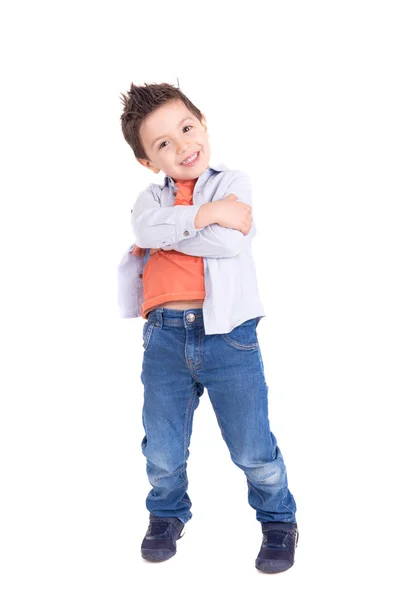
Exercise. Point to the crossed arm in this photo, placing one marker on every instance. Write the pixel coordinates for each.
(174, 228)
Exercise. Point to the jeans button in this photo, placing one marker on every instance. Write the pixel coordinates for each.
(190, 317)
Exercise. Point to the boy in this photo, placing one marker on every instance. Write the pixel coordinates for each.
(191, 276)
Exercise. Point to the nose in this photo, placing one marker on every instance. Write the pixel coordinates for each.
(183, 146)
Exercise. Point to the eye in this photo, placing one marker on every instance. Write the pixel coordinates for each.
(161, 145)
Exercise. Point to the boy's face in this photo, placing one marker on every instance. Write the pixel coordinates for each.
(172, 134)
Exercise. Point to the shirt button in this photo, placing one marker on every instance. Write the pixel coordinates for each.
(140, 275)
(185, 233)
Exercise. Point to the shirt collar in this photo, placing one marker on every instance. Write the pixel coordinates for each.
(216, 166)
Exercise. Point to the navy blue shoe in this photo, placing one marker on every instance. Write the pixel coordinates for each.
(159, 542)
(278, 546)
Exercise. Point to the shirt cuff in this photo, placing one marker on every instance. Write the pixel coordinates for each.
(185, 228)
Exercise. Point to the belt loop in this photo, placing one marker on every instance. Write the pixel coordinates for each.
(160, 317)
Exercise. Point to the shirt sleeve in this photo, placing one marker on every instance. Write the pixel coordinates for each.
(157, 227)
(215, 241)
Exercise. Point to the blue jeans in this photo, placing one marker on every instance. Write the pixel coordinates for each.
(179, 360)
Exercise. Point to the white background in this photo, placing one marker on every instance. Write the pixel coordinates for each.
(305, 97)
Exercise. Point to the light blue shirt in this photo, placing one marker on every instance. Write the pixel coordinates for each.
(230, 280)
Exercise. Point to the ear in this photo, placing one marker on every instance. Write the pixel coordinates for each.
(204, 122)
(148, 164)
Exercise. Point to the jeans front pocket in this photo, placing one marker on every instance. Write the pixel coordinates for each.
(244, 336)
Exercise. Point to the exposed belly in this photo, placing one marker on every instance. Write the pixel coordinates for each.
(182, 305)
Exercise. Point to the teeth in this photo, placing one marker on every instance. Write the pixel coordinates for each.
(190, 159)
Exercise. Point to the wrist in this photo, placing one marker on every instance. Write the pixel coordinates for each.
(206, 215)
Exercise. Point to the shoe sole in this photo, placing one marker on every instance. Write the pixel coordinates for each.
(273, 566)
(157, 555)
(160, 555)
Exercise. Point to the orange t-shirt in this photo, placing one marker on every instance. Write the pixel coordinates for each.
(171, 275)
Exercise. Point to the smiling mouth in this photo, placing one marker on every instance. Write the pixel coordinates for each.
(191, 158)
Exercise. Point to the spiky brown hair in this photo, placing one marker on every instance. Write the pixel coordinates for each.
(140, 102)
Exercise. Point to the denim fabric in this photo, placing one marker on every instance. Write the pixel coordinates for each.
(179, 360)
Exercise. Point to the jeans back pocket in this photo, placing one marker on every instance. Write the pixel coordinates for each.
(147, 331)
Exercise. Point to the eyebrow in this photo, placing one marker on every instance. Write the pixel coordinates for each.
(165, 135)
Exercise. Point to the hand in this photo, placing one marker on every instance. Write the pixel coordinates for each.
(233, 214)
(138, 251)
